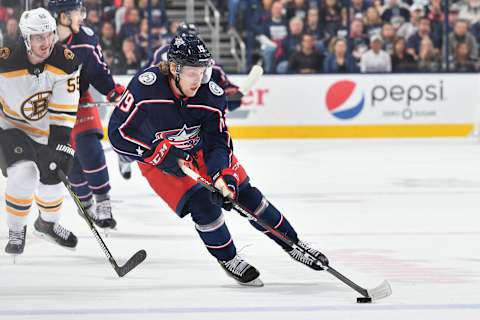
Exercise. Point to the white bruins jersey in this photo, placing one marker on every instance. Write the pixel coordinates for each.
(34, 97)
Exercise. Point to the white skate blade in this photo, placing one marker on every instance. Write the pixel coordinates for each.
(15, 257)
(254, 283)
(50, 239)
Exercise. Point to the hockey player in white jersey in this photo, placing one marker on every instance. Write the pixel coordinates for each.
(39, 96)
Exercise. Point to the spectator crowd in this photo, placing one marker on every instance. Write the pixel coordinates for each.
(296, 36)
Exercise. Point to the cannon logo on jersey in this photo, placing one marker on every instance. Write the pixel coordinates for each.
(147, 78)
(344, 99)
(215, 88)
(36, 107)
(184, 138)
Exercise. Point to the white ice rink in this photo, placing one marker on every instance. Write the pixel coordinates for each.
(403, 210)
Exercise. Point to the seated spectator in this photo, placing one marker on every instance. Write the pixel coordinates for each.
(402, 61)
(462, 61)
(435, 13)
(141, 39)
(129, 60)
(410, 27)
(112, 61)
(358, 7)
(274, 30)
(428, 57)
(470, 11)
(388, 37)
(11, 36)
(308, 59)
(159, 15)
(93, 20)
(331, 19)
(358, 40)
(373, 23)
(296, 8)
(131, 26)
(121, 14)
(461, 34)
(290, 44)
(424, 31)
(108, 39)
(394, 8)
(339, 61)
(312, 25)
(376, 59)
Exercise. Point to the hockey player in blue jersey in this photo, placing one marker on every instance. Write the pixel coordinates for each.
(214, 72)
(168, 114)
(89, 176)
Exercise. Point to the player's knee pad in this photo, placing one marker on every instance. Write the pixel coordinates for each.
(15, 146)
(22, 178)
(202, 210)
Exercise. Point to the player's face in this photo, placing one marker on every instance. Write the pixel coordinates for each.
(76, 17)
(41, 45)
(191, 79)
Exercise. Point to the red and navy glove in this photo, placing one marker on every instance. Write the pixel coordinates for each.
(226, 182)
(165, 156)
(115, 94)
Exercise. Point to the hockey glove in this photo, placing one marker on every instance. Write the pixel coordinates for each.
(115, 94)
(60, 154)
(226, 182)
(165, 156)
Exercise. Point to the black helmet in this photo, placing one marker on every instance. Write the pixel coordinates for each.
(189, 50)
(57, 6)
(186, 28)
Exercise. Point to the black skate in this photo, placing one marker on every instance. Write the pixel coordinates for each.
(242, 271)
(125, 167)
(16, 241)
(103, 215)
(306, 260)
(55, 233)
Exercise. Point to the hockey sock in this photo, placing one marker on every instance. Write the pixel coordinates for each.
(92, 160)
(49, 199)
(211, 227)
(253, 200)
(20, 186)
(79, 182)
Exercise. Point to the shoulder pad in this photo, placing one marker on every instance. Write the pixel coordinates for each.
(215, 88)
(5, 53)
(88, 31)
(147, 78)
(63, 59)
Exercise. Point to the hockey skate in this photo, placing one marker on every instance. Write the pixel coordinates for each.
(16, 241)
(56, 233)
(103, 215)
(125, 167)
(100, 214)
(299, 256)
(242, 271)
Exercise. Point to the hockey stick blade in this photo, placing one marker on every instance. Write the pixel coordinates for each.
(131, 264)
(381, 291)
(251, 79)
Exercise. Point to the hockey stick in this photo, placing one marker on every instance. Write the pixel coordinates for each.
(382, 291)
(255, 73)
(134, 261)
(97, 104)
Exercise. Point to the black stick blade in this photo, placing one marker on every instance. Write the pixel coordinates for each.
(132, 263)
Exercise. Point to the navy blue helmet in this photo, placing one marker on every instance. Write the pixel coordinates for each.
(57, 6)
(189, 50)
(187, 28)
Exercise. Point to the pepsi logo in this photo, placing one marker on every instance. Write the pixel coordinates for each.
(344, 99)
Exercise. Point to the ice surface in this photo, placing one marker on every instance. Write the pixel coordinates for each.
(402, 210)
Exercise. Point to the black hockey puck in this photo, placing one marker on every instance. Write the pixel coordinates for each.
(364, 300)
